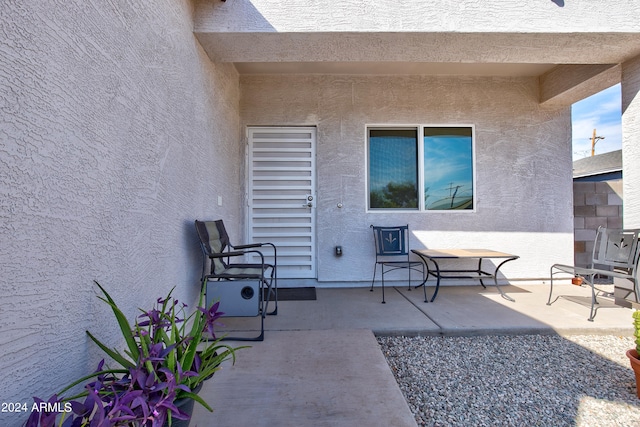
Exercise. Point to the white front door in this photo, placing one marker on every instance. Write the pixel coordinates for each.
(281, 196)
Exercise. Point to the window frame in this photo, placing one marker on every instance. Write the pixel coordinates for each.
(419, 128)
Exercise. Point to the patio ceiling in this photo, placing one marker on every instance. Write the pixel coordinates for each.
(500, 54)
(400, 67)
(571, 66)
(453, 37)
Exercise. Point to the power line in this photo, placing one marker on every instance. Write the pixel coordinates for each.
(594, 140)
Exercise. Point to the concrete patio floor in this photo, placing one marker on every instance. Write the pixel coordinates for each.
(320, 364)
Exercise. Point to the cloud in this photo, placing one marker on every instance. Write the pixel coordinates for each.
(601, 112)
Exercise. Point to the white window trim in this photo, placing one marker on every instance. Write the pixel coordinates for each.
(420, 130)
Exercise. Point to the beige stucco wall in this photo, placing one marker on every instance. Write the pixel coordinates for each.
(630, 137)
(523, 168)
(116, 132)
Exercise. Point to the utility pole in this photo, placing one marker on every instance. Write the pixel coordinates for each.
(594, 139)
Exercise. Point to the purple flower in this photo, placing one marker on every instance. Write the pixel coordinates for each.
(44, 418)
(164, 360)
(211, 315)
(157, 319)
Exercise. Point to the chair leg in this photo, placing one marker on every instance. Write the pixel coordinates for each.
(272, 289)
(383, 301)
(550, 287)
(274, 275)
(270, 292)
(594, 299)
(375, 267)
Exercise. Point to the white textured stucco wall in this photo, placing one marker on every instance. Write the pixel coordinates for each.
(630, 145)
(116, 132)
(537, 16)
(471, 31)
(523, 169)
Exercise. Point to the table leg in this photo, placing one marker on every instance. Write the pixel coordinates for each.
(426, 277)
(495, 278)
(437, 275)
(480, 272)
(424, 281)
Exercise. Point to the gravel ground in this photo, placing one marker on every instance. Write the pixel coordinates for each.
(531, 380)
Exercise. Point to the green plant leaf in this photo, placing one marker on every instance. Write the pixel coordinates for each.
(198, 399)
(87, 377)
(125, 327)
(114, 354)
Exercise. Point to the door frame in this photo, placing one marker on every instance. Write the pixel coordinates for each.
(314, 189)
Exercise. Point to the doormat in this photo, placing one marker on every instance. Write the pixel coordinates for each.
(295, 294)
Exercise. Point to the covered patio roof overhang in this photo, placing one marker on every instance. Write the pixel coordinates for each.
(570, 66)
(574, 53)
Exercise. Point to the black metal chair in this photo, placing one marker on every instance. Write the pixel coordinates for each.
(218, 252)
(392, 252)
(615, 254)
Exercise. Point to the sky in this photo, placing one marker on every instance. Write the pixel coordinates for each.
(448, 165)
(601, 112)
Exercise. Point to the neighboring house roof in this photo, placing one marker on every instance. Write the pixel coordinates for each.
(608, 164)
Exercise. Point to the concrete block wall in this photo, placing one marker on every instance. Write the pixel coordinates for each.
(595, 204)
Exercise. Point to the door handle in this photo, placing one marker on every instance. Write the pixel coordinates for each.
(308, 205)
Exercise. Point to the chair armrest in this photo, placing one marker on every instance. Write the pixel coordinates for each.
(571, 269)
(254, 245)
(229, 254)
(250, 245)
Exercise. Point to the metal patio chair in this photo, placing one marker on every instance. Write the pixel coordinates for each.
(218, 252)
(615, 254)
(392, 253)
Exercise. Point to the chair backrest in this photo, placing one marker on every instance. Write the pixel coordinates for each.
(616, 248)
(213, 240)
(391, 241)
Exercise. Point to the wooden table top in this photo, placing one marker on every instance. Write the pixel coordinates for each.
(462, 253)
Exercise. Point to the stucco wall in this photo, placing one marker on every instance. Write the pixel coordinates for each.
(417, 15)
(630, 147)
(523, 168)
(116, 132)
(471, 31)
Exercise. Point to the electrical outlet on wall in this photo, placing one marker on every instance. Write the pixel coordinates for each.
(219, 200)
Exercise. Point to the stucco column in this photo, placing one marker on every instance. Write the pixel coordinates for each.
(631, 141)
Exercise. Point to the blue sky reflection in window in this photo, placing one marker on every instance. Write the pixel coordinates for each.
(448, 168)
(444, 173)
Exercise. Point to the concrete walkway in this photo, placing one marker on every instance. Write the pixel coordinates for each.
(320, 364)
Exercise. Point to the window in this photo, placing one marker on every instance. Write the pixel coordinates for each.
(393, 169)
(439, 167)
